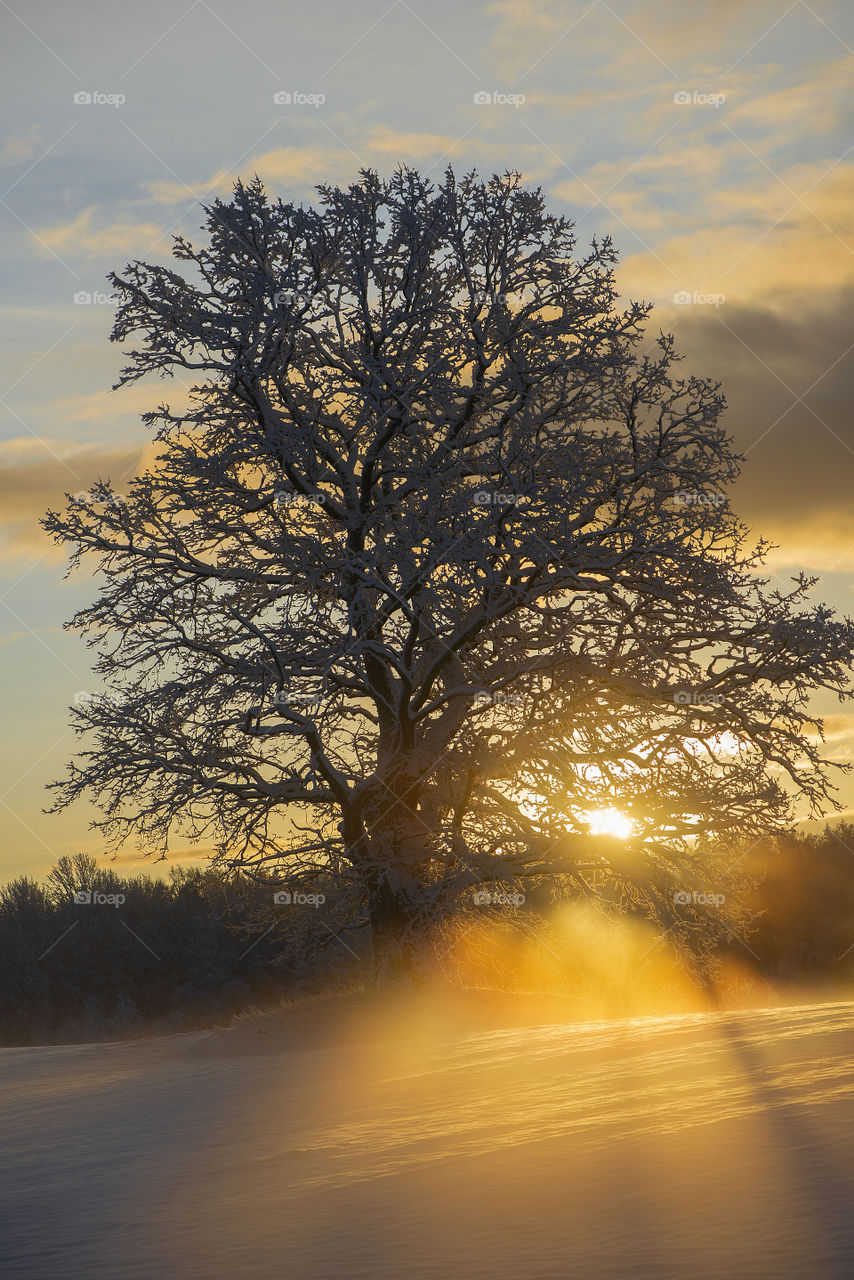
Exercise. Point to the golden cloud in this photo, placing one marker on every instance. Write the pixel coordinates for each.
(655, 35)
(816, 105)
(761, 244)
(287, 165)
(86, 235)
(35, 475)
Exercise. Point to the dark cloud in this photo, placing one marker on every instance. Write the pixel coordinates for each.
(798, 476)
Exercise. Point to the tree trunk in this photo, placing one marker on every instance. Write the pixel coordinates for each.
(395, 937)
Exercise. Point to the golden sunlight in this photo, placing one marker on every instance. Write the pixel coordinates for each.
(609, 822)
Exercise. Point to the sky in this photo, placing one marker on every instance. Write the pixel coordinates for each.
(713, 141)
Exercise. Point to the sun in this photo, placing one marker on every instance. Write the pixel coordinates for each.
(609, 822)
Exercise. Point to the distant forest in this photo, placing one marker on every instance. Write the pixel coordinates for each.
(146, 955)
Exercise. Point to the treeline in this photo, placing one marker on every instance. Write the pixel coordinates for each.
(804, 904)
(144, 954)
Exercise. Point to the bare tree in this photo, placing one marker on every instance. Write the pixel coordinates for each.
(439, 560)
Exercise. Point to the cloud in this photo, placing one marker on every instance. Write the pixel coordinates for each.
(284, 168)
(108, 406)
(34, 478)
(838, 727)
(286, 165)
(382, 143)
(644, 37)
(91, 235)
(524, 30)
(712, 33)
(17, 148)
(788, 374)
(646, 191)
(813, 106)
(755, 242)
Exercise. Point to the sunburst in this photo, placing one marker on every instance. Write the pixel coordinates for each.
(609, 822)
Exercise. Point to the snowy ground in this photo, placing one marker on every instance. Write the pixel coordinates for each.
(712, 1145)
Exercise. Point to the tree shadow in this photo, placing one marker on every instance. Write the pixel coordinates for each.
(822, 1185)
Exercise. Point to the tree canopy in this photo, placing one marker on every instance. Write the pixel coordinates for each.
(438, 561)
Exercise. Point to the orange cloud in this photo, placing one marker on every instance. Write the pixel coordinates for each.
(35, 475)
(87, 235)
